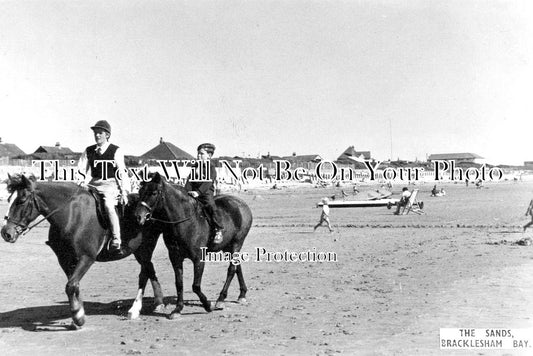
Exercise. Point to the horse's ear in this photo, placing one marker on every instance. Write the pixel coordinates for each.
(156, 177)
(26, 182)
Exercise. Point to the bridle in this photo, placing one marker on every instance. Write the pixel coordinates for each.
(149, 216)
(31, 201)
(22, 228)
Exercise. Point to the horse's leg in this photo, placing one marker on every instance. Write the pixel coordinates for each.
(135, 310)
(73, 289)
(147, 272)
(242, 294)
(70, 264)
(528, 225)
(197, 282)
(224, 293)
(65, 255)
(143, 255)
(177, 265)
(159, 304)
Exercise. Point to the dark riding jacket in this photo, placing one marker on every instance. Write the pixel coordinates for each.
(205, 190)
(201, 184)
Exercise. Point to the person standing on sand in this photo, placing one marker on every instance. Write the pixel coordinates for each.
(529, 211)
(324, 216)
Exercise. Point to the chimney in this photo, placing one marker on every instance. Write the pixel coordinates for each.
(161, 140)
(58, 145)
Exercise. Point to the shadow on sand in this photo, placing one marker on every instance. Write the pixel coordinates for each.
(57, 317)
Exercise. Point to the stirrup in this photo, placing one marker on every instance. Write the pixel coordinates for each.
(114, 245)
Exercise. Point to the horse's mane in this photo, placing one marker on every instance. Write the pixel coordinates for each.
(167, 184)
(181, 189)
(15, 182)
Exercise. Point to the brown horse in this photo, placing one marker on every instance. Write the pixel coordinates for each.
(76, 235)
(186, 234)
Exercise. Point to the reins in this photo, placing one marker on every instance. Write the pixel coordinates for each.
(169, 222)
(149, 215)
(27, 228)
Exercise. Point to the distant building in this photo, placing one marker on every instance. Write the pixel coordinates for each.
(9, 150)
(457, 157)
(270, 158)
(54, 150)
(528, 163)
(351, 152)
(166, 151)
(303, 158)
(347, 157)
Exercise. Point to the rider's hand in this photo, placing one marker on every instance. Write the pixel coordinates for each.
(194, 194)
(124, 199)
(82, 184)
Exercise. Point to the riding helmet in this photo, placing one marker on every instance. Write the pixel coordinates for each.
(208, 147)
(102, 124)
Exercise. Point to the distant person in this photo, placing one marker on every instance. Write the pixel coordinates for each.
(109, 186)
(529, 211)
(479, 184)
(466, 181)
(324, 216)
(344, 195)
(406, 194)
(434, 191)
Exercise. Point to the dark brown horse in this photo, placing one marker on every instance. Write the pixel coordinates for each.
(186, 233)
(76, 236)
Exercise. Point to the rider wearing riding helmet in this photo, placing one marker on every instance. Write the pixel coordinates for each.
(103, 177)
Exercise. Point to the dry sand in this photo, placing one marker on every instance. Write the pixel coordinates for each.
(397, 280)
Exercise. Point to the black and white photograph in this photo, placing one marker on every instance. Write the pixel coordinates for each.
(302, 177)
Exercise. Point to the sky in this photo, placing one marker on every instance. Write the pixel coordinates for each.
(402, 79)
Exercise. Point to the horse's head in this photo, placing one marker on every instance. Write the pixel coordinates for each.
(23, 209)
(150, 198)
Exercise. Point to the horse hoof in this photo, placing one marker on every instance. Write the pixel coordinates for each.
(79, 318)
(160, 308)
(210, 307)
(80, 321)
(174, 315)
(219, 306)
(242, 301)
(133, 314)
(73, 327)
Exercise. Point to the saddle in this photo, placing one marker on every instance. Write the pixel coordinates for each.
(103, 218)
(201, 211)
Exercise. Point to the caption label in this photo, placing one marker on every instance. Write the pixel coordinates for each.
(463, 338)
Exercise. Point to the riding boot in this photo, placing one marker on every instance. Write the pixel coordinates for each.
(213, 221)
(115, 230)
